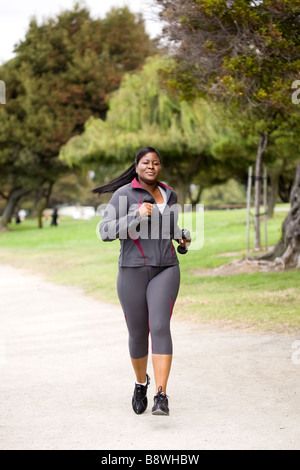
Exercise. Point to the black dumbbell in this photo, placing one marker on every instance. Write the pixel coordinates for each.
(185, 234)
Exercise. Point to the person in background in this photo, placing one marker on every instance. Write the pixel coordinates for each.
(54, 217)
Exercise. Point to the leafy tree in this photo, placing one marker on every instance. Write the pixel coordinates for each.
(229, 193)
(146, 112)
(245, 53)
(63, 73)
(16, 162)
(282, 155)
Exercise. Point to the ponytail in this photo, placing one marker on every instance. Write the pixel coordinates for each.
(128, 174)
(116, 183)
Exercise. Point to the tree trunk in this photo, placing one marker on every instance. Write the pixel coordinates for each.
(181, 178)
(194, 200)
(287, 250)
(12, 200)
(177, 181)
(257, 189)
(274, 190)
(182, 192)
(43, 203)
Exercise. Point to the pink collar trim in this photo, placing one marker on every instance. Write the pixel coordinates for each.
(136, 184)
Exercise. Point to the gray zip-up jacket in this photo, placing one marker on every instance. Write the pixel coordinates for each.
(145, 241)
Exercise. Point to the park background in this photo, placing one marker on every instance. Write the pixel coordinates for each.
(215, 90)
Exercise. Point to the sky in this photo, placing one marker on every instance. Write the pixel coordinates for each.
(15, 16)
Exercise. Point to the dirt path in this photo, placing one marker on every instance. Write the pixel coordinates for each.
(66, 379)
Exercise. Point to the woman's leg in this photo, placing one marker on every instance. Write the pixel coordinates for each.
(140, 368)
(162, 292)
(161, 367)
(131, 287)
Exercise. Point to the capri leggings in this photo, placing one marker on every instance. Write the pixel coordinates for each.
(147, 295)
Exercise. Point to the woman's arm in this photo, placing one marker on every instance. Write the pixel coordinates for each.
(118, 218)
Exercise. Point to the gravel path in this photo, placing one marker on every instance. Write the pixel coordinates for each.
(66, 379)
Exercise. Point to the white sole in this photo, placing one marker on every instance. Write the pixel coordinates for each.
(160, 413)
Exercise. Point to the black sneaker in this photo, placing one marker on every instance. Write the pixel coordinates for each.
(161, 404)
(139, 399)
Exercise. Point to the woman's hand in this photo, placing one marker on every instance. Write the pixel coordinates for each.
(185, 242)
(146, 209)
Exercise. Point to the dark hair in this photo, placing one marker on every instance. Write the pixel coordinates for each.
(128, 174)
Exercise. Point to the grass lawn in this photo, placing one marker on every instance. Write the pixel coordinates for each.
(72, 254)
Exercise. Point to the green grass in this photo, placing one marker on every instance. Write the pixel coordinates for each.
(72, 254)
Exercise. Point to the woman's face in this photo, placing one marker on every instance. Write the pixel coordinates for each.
(148, 168)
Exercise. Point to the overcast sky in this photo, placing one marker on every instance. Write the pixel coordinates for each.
(15, 16)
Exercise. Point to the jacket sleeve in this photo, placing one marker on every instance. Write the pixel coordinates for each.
(177, 231)
(118, 218)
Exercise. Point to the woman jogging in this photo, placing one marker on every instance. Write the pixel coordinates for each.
(141, 214)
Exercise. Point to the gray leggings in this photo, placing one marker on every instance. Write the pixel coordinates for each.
(147, 295)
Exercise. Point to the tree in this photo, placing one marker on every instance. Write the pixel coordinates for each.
(286, 252)
(15, 162)
(144, 111)
(245, 53)
(63, 73)
(282, 156)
